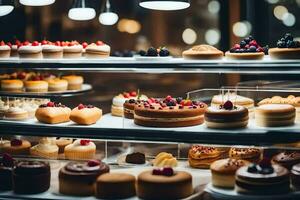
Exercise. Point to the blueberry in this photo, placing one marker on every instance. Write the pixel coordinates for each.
(252, 49)
(252, 168)
(247, 40)
(281, 44)
(152, 52)
(164, 52)
(171, 103)
(266, 50)
(290, 44)
(232, 50)
(243, 44)
(142, 53)
(179, 100)
(288, 37)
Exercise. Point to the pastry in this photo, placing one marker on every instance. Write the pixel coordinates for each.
(226, 116)
(71, 49)
(14, 48)
(97, 50)
(57, 85)
(135, 158)
(223, 172)
(4, 50)
(262, 179)
(31, 177)
(46, 148)
(85, 114)
(203, 156)
(30, 50)
(6, 167)
(287, 48)
(115, 186)
(253, 155)
(80, 150)
(62, 143)
(74, 82)
(53, 113)
(169, 112)
(16, 113)
(12, 85)
(164, 159)
(153, 52)
(36, 86)
(52, 50)
(287, 159)
(271, 115)
(119, 100)
(295, 177)
(164, 184)
(248, 49)
(203, 52)
(17, 147)
(78, 178)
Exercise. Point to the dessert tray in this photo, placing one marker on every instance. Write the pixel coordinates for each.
(225, 194)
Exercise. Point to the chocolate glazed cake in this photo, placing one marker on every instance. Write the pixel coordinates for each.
(6, 167)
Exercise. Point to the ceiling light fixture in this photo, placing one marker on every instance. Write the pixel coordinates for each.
(36, 2)
(165, 4)
(6, 7)
(80, 12)
(107, 17)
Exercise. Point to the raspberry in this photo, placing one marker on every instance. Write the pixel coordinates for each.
(228, 105)
(80, 106)
(133, 94)
(93, 163)
(84, 142)
(50, 104)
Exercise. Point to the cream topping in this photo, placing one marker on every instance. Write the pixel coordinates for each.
(51, 47)
(5, 47)
(73, 48)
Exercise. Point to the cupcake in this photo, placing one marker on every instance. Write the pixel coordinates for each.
(30, 50)
(71, 49)
(36, 86)
(62, 143)
(80, 150)
(74, 82)
(46, 148)
(52, 50)
(4, 50)
(97, 50)
(17, 147)
(57, 85)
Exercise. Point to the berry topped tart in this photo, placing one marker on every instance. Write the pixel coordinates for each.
(169, 112)
(248, 49)
(4, 50)
(97, 50)
(153, 53)
(203, 52)
(72, 49)
(30, 50)
(226, 116)
(287, 48)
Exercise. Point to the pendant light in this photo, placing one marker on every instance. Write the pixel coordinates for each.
(6, 7)
(107, 17)
(36, 2)
(165, 4)
(80, 12)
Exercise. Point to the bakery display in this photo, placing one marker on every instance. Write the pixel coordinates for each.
(248, 49)
(57, 85)
(203, 52)
(287, 159)
(273, 115)
(80, 150)
(62, 143)
(30, 50)
(135, 158)
(287, 48)
(17, 147)
(226, 116)
(164, 183)
(85, 114)
(6, 167)
(115, 186)
(74, 82)
(78, 178)
(153, 52)
(97, 50)
(36, 86)
(169, 112)
(4, 50)
(46, 148)
(51, 49)
(253, 155)
(71, 49)
(262, 179)
(31, 177)
(12, 85)
(53, 113)
(164, 159)
(203, 156)
(223, 172)
(295, 177)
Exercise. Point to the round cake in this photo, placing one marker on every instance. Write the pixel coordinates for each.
(287, 159)
(6, 167)
(164, 184)
(170, 112)
(74, 82)
(46, 148)
(129, 107)
(4, 50)
(30, 50)
(203, 52)
(52, 50)
(97, 50)
(36, 86)
(295, 177)
(72, 49)
(13, 85)
(250, 154)
(80, 150)
(287, 48)
(57, 85)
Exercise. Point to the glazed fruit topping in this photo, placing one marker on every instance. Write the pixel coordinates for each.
(249, 45)
(186, 102)
(16, 142)
(84, 45)
(166, 171)
(52, 104)
(84, 142)
(93, 163)
(228, 105)
(287, 41)
(82, 106)
(21, 75)
(99, 43)
(7, 160)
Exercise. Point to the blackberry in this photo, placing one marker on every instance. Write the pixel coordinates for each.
(131, 101)
(164, 52)
(252, 49)
(243, 44)
(152, 52)
(247, 40)
(288, 37)
(142, 53)
(281, 44)
(290, 44)
(171, 103)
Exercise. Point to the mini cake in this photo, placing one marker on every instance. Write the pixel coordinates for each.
(287, 48)
(170, 112)
(248, 49)
(80, 150)
(223, 172)
(62, 143)
(295, 177)
(226, 116)
(272, 115)
(30, 50)
(4, 50)
(262, 179)
(6, 167)
(52, 50)
(85, 114)
(250, 154)
(16, 113)
(115, 186)
(57, 85)
(164, 184)
(203, 52)
(46, 148)
(12, 85)
(74, 82)
(164, 159)
(31, 177)
(36, 86)
(97, 50)
(203, 156)
(117, 108)
(78, 178)
(72, 49)
(53, 113)
(287, 159)
(135, 158)
(14, 48)
(17, 147)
